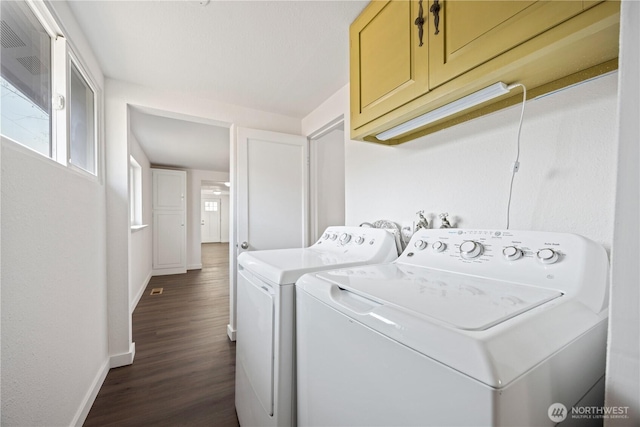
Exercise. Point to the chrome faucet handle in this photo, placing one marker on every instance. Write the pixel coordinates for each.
(445, 220)
(422, 222)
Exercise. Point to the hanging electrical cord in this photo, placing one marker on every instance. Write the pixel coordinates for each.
(516, 163)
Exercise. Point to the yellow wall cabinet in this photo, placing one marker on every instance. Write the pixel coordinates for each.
(388, 65)
(399, 72)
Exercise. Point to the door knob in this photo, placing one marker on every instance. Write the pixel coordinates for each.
(244, 245)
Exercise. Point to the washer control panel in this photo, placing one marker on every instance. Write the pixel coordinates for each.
(546, 259)
(483, 246)
(354, 240)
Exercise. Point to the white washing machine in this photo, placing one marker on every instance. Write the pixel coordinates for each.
(466, 328)
(265, 370)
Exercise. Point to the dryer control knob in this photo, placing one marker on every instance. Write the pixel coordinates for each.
(359, 240)
(511, 253)
(345, 238)
(470, 249)
(325, 236)
(420, 244)
(438, 246)
(333, 236)
(547, 256)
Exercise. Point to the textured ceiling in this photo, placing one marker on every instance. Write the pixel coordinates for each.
(279, 56)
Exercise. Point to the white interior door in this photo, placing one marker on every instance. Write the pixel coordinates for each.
(272, 190)
(169, 222)
(270, 196)
(210, 220)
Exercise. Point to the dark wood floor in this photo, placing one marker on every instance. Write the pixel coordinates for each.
(184, 369)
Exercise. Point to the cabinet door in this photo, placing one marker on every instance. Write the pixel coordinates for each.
(169, 188)
(473, 32)
(388, 65)
(169, 242)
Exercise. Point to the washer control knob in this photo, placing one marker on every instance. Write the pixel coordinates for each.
(547, 256)
(470, 249)
(325, 236)
(511, 253)
(359, 240)
(333, 236)
(438, 246)
(420, 244)
(345, 238)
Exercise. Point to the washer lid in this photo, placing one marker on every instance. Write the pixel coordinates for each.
(463, 302)
(285, 266)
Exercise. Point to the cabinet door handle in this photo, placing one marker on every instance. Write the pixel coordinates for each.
(419, 22)
(435, 9)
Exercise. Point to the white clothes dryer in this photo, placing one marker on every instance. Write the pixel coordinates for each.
(265, 359)
(466, 328)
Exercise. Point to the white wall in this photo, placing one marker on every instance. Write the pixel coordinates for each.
(54, 286)
(623, 367)
(566, 180)
(141, 253)
(54, 314)
(194, 187)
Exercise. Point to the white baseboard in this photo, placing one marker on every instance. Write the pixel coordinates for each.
(123, 359)
(194, 267)
(90, 396)
(136, 300)
(231, 333)
(167, 271)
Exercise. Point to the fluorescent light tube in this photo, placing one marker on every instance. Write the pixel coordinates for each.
(454, 107)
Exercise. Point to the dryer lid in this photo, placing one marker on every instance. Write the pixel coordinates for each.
(285, 266)
(457, 300)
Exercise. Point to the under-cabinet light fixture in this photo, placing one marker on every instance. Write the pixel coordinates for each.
(476, 98)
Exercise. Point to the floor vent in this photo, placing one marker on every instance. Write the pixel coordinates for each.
(156, 291)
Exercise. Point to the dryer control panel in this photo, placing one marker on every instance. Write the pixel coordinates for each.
(356, 240)
(567, 262)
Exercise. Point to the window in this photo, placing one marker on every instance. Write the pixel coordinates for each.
(25, 78)
(49, 101)
(82, 146)
(135, 191)
(211, 206)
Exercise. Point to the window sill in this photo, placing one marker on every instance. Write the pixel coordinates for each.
(135, 228)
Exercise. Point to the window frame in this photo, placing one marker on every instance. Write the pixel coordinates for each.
(63, 54)
(52, 32)
(73, 59)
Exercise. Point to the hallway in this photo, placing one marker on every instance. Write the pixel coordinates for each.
(184, 369)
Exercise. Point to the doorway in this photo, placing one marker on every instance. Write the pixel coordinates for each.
(214, 209)
(210, 220)
(326, 178)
